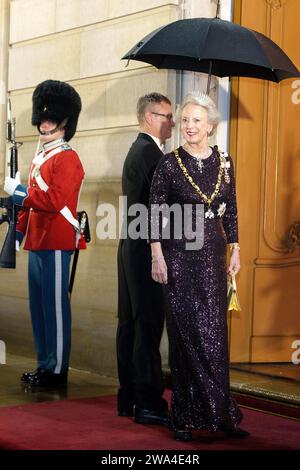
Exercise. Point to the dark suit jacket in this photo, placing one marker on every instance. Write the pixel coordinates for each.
(138, 170)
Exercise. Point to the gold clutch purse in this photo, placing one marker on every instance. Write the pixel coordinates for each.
(232, 297)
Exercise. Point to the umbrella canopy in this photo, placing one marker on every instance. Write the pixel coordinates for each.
(214, 46)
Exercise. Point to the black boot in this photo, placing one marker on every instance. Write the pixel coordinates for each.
(48, 379)
(145, 416)
(183, 435)
(28, 376)
(234, 431)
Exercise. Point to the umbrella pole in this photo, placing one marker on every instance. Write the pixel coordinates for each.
(209, 77)
(218, 9)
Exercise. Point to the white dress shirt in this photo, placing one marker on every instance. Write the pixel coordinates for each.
(157, 141)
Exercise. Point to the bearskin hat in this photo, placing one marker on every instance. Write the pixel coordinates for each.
(54, 101)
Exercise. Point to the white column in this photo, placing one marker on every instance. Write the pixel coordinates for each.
(219, 88)
(224, 90)
(4, 44)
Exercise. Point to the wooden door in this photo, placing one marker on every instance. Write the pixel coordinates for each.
(265, 142)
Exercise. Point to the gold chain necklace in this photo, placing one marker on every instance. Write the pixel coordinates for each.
(207, 199)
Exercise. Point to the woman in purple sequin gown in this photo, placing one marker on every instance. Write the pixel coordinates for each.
(196, 280)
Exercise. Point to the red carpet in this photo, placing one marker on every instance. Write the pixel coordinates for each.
(92, 424)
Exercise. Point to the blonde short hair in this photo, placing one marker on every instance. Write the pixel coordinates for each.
(149, 99)
(203, 100)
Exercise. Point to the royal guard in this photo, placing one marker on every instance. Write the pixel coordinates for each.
(48, 226)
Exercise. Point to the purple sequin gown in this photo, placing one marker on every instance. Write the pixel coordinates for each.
(197, 296)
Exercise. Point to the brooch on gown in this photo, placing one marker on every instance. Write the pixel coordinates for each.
(221, 209)
(199, 163)
(225, 165)
(209, 214)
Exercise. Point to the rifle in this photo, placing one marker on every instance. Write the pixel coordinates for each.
(8, 252)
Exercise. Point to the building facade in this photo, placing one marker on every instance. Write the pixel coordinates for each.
(82, 42)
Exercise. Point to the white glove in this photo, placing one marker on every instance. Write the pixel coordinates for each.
(10, 184)
(17, 245)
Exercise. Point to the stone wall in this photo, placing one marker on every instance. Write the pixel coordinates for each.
(82, 42)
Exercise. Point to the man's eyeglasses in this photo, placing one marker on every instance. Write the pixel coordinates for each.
(168, 116)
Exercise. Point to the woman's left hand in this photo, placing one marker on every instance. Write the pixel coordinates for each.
(234, 264)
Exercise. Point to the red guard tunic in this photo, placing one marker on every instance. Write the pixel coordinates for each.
(55, 180)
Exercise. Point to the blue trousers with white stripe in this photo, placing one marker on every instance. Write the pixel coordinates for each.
(50, 309)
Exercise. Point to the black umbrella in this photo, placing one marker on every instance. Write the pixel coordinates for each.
(214, 46)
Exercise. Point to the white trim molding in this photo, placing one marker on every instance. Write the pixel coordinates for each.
(189, 81)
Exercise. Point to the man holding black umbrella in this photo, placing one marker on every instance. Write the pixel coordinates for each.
(141, 309)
